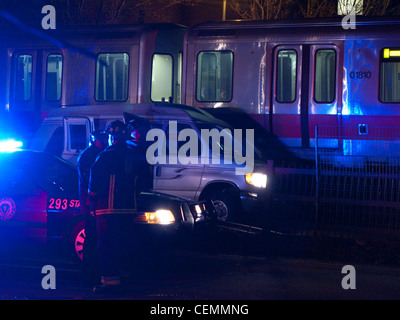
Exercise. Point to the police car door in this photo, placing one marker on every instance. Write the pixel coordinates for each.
(181, 172)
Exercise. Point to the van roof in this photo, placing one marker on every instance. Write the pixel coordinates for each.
(156, 111)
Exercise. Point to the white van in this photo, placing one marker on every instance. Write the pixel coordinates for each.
(237, 196)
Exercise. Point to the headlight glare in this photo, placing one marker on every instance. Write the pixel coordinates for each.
(161, 216)
(198, 209)
(257, 179)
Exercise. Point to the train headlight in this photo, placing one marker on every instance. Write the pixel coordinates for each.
(258, 180)
(161, 216)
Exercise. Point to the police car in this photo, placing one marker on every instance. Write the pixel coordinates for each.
(39, 198)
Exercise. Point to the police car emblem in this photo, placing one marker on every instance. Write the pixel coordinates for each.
(7, 208)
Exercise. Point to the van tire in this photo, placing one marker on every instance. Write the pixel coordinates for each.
(226, 203)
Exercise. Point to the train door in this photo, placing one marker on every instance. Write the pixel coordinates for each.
(287, 117)
(35, 86)
(25, 89)
(324, 89)
(304, 92)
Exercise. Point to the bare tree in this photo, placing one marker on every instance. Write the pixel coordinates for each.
(116, 11)
(377, 7)
(75, 11)
(259, 9)
(316, 8)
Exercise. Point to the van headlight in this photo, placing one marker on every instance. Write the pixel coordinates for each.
(161, 216)
(258, 180)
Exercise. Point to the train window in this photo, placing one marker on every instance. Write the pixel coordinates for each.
(325, 76)
(23, 85)
(112, 77)
(390, 76)
(162, 77)
(214, 76)
(286, 76)
(54, 77)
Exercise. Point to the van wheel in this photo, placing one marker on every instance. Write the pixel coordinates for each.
(76, 240)
(226, 204)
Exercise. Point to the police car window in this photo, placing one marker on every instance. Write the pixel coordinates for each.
(55, 145)
(8, 172)
(54, 174)
(14, 176)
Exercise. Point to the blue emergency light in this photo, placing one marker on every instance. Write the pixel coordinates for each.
(10, 145)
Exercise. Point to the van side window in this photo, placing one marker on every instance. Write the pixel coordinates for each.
(390, 76)
(54, 77)
(214, 76)
(286, 76)
(174, 136)
(77, 134)
(112, 73)
(162, 77)
(325, 76)
(23, 79)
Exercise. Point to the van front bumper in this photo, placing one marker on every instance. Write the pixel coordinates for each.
(252, 201)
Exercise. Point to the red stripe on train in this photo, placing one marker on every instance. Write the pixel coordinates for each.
(289, 125)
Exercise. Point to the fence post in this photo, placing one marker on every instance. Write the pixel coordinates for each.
(316, 178)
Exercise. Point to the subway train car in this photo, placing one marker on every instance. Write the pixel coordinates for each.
(86, 65)
(302, 79)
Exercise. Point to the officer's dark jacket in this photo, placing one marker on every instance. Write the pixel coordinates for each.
(119, 174)
(85, 160)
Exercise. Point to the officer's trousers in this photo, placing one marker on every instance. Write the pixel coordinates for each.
(113, 238)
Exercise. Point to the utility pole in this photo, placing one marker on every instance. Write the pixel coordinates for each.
(224, 10)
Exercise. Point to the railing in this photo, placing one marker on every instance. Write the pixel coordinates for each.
(352, 188)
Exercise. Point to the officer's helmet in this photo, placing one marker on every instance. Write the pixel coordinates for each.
(133, 129)
(118, 130)
(99, 135)
(137, 129)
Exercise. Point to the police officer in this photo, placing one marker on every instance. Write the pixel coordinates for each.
(98, 142)
(138, 128)
(119, 174)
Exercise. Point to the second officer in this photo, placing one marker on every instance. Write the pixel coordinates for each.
(119, 174)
